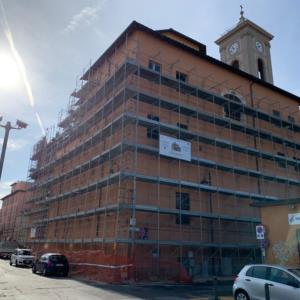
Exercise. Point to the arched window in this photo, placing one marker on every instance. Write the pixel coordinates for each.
(236, 64)
(260, 68)
(232, 110)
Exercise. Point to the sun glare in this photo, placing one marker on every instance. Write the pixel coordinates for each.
(9, 73)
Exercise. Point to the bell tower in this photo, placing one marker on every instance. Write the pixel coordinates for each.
(247, 47)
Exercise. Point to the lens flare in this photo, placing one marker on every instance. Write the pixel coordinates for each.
(9, 73)
(20, 66)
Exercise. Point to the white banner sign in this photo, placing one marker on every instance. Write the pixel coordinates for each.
(174, 148)
(32, 232)
(294, 219)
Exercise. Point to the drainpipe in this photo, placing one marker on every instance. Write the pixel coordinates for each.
(255, 138)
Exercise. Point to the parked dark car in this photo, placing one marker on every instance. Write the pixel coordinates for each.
(51, 263)
(7, 248)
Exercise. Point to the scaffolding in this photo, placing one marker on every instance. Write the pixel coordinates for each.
(101, 185)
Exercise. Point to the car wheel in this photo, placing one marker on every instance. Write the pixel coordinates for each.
(33, 269)
(241, 295)
(44, 273)
(10, 262)
(16, 263)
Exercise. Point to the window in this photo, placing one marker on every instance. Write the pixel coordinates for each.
(291, 119)
(153, 133)
(154, 66)
(57, 258)
(236, 64)
(181, 76)
(232, 110)
(281, 164)
(296, 271)
(44, 258)
(182, 203)
(259, 272)
(276, 113)
(249, 272)
(182, 126)
(297, 166)
(298, 240)
(282, 277)
(260, 67)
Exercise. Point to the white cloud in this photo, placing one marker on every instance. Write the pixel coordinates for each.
(15, 144)
(85, 17)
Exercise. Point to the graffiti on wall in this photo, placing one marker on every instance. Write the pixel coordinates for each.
(284, 251)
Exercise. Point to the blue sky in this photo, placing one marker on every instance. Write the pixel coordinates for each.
(58, 39)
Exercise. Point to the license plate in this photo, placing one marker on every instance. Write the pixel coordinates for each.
(59, 265)
(27, 261)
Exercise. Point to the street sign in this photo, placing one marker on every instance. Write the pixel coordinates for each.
(294, 219)
(264, 243)
(260, 232)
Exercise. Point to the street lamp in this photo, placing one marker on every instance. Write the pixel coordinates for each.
(8, 127)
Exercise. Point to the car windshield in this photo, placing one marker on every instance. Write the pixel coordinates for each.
(57, 258)
(295, 271)
(25, 252)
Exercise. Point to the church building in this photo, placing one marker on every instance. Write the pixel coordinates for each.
(164, 148)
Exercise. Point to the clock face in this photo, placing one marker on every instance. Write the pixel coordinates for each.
(234, 48)
(259, 46)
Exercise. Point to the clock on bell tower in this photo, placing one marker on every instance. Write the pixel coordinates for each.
(247, 47)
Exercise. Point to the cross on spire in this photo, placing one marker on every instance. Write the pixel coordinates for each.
(242, 18)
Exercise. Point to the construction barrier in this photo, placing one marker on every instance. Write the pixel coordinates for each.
(100, 266)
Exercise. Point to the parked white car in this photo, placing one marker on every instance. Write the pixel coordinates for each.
(253, 280)
(21, 257)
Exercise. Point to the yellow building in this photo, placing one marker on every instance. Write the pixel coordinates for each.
(282, 224)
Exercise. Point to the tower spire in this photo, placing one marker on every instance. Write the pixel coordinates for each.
(247, 46)
(242, 18)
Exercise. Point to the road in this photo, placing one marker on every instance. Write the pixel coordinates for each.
(21, 284)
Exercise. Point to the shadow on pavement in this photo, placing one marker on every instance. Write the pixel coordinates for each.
(163, 290)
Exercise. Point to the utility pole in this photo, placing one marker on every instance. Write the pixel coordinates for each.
(7, 128)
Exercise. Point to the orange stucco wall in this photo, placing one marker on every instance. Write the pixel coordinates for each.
(226, 218)
(282, 237)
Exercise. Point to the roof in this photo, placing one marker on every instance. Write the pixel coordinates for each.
(19, 181)
(281, 202)
(271, 265)
(241, 25)
(11, 194)
(201, 47)
(137, 26)
(51, 253)
(24, 249)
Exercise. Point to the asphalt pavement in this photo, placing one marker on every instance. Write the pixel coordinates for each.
(20, 284)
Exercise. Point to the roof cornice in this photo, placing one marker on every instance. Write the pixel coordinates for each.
(240, 26)
(137, 26)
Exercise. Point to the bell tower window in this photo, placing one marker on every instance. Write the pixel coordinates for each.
(235, 64)
(260, 68)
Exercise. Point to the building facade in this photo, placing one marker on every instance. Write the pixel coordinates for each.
(152, 172)
(11, 213)
(281, 221)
